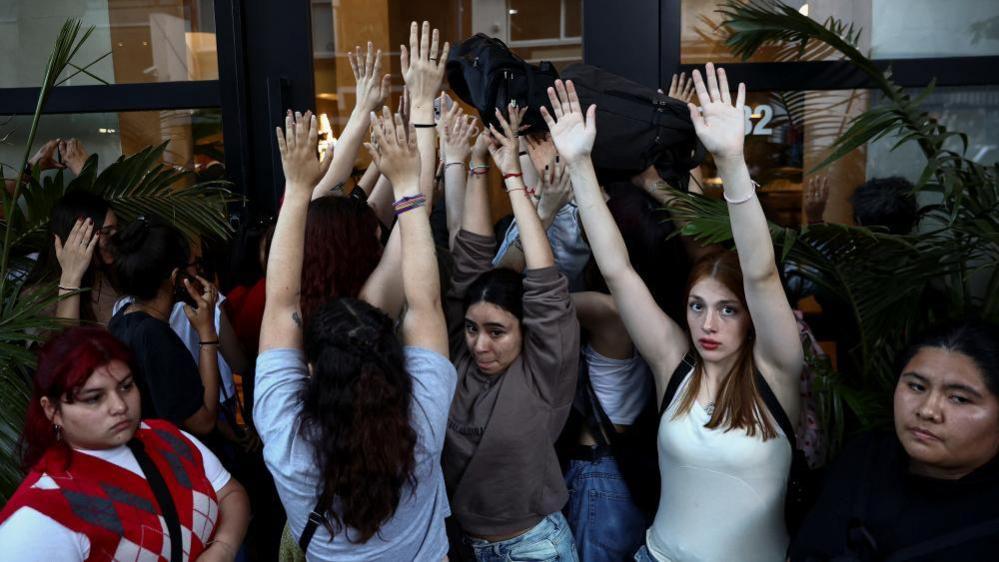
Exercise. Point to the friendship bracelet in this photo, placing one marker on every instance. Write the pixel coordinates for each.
(482, 173)
(744, 199)
(409, 203)
(424, 125)
(213, 342)
(524, 189)
(513, 175)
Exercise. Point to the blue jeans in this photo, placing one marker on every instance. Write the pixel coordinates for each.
(548, 541)
(607, 524)
(643, 555)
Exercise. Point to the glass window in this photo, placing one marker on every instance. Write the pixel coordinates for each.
(195, 136)
(133, 42)
(789, 133)
(928, 29)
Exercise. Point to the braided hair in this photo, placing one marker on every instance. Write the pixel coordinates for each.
(356, 415)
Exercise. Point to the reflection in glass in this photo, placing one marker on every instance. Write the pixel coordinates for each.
(195, 136)
(134, 41)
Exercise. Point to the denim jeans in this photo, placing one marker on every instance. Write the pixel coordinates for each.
(548, 541)
(607, 524)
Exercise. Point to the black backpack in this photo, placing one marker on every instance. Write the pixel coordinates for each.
(485, 74)
(636, 126)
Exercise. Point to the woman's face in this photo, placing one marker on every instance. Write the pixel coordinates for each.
(104, 412)
(945, 416)
(493, 336)
(106, 231)
(717, 319)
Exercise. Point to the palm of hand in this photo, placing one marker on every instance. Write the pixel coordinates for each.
(571, 137)
(724, 130)
(507, 157)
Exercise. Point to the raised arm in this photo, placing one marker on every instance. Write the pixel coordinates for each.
(475, 213)
(457, 131)
(556, 192)
(658, 338)
(282, 322)
(393, 147)
(74, 258)
(720, 127)
(372, 87)
(505, 150)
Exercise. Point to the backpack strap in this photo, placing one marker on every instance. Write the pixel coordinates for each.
(686, 364)
(776, 410)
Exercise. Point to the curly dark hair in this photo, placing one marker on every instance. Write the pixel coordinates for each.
(356, 414)
(341, 250)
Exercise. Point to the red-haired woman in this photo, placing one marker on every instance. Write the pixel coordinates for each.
(101, 484)
(723, 463)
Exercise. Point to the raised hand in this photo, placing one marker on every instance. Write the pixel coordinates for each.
(393, 149)
(481, 148)
(720, 124)
(814, 198)
(372, 86)
(556, 190)
(572, 132)
(505, 147)
(75, 254)
(456, 130)
(423, 67)
(541, 151)
(298, 144)
(45, 158)
(74, 156)
(681, 88)
(202, 317)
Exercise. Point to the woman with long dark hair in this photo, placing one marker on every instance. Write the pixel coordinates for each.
(929, 491)
(79, 256)
(103, 485)
(152, 266)
(723, 463)
(515, 343)
(353, 417)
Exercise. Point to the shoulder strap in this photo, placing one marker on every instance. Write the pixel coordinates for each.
(961, 536)
(686, 364)
(776, 410)
(163, 497)
(315, 520)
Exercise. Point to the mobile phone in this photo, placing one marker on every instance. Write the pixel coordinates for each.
(438, 109)
(180, 293)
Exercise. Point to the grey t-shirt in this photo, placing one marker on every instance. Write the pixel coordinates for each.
(416, 531)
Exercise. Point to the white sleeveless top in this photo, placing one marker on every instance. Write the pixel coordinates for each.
(722, 493)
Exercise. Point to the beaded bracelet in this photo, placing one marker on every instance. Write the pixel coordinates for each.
(409, 203)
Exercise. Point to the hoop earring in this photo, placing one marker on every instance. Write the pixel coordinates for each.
(58, 432)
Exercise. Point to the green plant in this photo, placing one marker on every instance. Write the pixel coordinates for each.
(134, 185)
(892, 286)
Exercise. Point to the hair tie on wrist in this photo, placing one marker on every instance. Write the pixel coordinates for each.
(513, 175)
(212, 342)
(742, 199)
(61, 288)
(409, 203)
(424, 125)
(522, 153)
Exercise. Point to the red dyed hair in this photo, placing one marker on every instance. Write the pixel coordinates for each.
(65, 363)
(341, 250)
(739, 404)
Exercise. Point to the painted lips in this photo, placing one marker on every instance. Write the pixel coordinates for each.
(709, 345)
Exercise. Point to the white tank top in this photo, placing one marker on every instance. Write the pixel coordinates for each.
(722, 493)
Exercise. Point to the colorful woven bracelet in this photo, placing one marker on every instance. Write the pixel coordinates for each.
(409, 203)
(513, 175)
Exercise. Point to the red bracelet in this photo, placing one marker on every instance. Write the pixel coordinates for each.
(512, 175)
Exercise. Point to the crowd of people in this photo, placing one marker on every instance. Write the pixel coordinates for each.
(576, 386)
